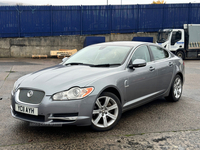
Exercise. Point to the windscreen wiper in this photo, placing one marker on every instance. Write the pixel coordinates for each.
(75, 63)
(105, 65)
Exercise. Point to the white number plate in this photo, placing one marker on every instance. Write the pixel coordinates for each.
(26, 110)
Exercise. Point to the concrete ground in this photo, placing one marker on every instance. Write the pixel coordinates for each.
(157, 125)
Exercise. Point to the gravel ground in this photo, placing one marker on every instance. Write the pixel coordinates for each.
(157, 125)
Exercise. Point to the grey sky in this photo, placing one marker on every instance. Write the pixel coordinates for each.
(92, 2)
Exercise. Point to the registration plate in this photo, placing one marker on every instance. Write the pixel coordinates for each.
(26, 110)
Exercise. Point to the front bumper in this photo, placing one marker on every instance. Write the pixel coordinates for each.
(73, 112)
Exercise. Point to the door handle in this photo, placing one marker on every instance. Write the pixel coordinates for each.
(151, 68)
(170, 63)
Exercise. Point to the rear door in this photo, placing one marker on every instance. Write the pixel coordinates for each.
(164, 66)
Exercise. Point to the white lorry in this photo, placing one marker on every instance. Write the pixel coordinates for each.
(185, 42)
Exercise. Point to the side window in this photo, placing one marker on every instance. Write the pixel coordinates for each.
(176, 36)
(141, 53)
(159, 53)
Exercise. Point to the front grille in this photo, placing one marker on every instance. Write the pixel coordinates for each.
(39, 118)
(36, 98)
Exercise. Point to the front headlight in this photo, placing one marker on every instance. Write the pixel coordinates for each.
(73, 93)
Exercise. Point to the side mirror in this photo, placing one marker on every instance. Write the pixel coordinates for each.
(64, 59)
(138, 63)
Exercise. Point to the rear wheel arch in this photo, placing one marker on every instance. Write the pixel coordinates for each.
(178, 73)
(181, 75)
(175, 88)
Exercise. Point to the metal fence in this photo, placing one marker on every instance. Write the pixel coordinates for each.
(29, 21)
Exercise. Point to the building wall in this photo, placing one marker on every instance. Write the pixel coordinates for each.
(26, 47)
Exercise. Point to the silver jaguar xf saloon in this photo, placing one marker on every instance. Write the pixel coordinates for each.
(97, 84)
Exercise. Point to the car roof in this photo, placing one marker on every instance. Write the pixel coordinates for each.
(122, 43)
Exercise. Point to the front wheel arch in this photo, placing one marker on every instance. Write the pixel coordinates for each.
(114, 91)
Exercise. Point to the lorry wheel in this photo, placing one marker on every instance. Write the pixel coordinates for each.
(180, 54)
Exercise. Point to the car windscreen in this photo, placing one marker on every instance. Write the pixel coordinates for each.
(100, 55)
(163, 36)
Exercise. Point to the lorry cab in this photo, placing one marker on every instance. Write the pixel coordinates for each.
(172, 39)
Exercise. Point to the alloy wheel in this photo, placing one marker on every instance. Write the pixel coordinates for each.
(105, 112)
(177, 88)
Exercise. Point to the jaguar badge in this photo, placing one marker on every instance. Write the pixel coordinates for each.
(30, 93)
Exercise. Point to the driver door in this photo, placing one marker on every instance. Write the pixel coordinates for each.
(142, 80)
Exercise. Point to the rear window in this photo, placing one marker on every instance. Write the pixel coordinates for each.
(159, 53)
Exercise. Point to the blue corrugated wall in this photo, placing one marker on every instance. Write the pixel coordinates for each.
(29, 21)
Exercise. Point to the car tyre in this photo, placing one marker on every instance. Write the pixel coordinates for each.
(106, 112)
(176, 89)
(181, 54)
